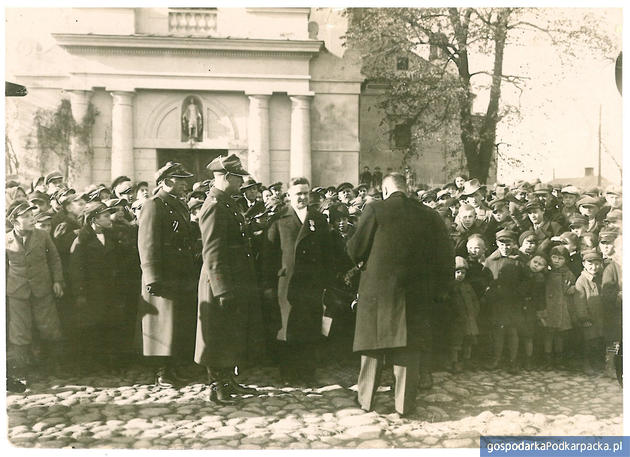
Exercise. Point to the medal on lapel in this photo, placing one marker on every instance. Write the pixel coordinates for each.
(311, 225)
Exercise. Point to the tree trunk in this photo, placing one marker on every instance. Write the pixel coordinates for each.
(488, 130)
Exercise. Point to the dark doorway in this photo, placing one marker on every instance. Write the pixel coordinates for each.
(195, 160)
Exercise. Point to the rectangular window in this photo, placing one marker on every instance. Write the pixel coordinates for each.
(402, 136)
(402, 63)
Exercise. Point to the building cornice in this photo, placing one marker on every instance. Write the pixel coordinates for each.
(145, 44)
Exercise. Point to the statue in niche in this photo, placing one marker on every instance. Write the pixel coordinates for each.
(192, 120)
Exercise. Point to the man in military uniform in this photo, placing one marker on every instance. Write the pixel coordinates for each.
(229, 326)
(165, 245)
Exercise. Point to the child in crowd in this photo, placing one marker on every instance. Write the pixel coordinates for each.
(589, 309)
(607, 245)
(528, 244)
(464, 328)
(504, 297)
(466, 224)
(588, 241)
(533, 302)
(555, 318)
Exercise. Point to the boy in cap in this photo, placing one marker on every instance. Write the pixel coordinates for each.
(607, 245)
(463, 327)
(613, 220)
(345, 193)
(589, 308)
(53, 182)
(43, 222)
(570, 195)
(589, 207)
(33, 280)
(98, 313)
(504, 297)
(168, 305)
(543, 228)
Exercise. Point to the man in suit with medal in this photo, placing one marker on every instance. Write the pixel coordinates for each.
(296, 268)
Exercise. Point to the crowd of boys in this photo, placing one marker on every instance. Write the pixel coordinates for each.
(537, 272)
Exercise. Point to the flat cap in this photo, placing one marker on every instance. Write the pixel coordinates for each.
(614, 215)
(37, 181)
(588, 201)
(569, 237)
(93, 209)
(171, 170)
(54, 176)
(43, 217)
(276, 184)
(570, 190)
(17, 208)
(362, 186)
(230, 164)
(66, 196)
(533, 206)
(506, 234)
(344, 186)
(38, 196)
(591, 255)
(525, 235)
(578, 220)
(318, 190)
(119, 180)
(608, 236)
(114, 202)
(498, 203)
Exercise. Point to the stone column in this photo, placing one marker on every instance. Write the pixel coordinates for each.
(122, 134)
(80, 170)
(300, 157)
(258, 159)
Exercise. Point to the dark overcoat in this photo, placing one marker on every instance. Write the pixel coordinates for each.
(507, 288)
(165, 245)
(93, 276)
(232, 334)
(408, 262)
(296, 260)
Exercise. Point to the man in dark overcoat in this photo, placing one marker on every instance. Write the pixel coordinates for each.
(407, 264)
(296, 266)
(168, 304)
(229, 327)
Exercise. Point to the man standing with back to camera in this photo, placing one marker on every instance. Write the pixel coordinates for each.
(407, 264)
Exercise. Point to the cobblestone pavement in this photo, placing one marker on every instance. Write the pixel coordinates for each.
(127, 411)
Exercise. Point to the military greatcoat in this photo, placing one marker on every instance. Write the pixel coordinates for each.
(232, 334)
(165, 245)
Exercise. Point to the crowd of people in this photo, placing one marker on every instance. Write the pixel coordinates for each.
(229, 272)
